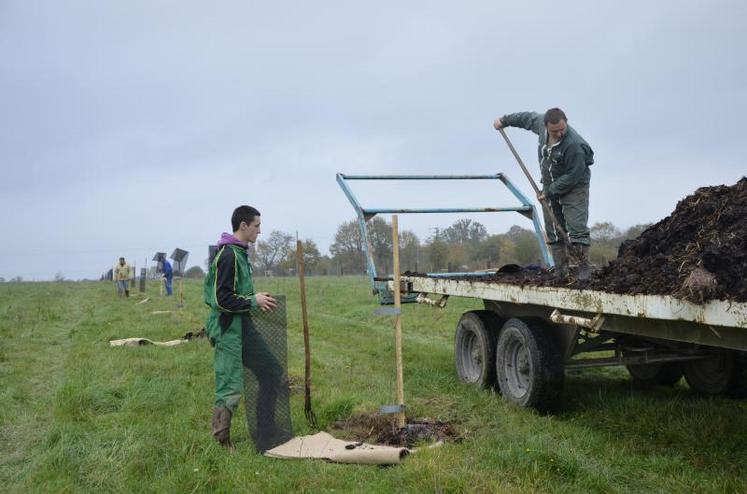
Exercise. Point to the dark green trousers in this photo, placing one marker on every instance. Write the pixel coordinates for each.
(240, 345)
(572, 211)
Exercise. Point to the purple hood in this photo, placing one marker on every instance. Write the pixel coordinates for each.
(228, 239)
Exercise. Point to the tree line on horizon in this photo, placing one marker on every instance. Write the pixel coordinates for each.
(465, 245)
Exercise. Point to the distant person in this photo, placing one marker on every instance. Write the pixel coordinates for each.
(122, 277)
(564, 158)
(168, 277)
(229, 291)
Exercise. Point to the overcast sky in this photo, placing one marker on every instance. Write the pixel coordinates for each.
(134, 127)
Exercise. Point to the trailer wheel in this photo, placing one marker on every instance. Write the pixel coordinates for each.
(529, 364)
(474, 347)
(663, 374)
(712, 375)
(739, 386)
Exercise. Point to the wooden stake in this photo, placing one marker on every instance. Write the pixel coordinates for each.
(398, 326)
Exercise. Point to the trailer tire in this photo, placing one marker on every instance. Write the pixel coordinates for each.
(661, 374)
(529, 364)
(739, 386)
(713, 375)
(474, 347)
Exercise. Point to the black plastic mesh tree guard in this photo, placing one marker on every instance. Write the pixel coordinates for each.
(159, 258)
(266, 387)
(179, 257)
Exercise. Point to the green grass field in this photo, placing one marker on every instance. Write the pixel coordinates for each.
(79, 416)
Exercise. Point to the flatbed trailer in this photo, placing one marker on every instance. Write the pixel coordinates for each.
(527, 337)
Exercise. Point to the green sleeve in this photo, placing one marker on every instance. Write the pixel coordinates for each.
(531, 121)
(576, 166)
(252, 299)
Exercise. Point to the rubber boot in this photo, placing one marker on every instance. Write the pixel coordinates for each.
(222, 426)
(584, 269)
(560, 257)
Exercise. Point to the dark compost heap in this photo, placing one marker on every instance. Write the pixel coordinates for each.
(699, 252)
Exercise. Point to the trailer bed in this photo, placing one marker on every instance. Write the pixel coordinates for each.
(716, 323)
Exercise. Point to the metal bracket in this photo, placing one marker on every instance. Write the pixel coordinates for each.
(390, 409)
(593, 325)
(425, 299)
(387, 311)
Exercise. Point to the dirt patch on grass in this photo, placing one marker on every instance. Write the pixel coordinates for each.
(382, 429)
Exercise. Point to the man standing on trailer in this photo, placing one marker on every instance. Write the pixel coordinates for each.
(564, 158)
(229, 291)
(122, 277)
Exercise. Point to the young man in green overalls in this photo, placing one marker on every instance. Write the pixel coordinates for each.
(229, 291)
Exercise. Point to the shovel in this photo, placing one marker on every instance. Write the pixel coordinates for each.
(546, 208)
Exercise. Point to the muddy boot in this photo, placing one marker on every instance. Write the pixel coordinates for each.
(222, 426)
(584, 269)
(560, 257)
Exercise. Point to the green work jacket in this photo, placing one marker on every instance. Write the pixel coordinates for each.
(228, 289)
(563, 166)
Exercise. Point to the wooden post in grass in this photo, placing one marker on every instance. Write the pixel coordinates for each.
(398, 326)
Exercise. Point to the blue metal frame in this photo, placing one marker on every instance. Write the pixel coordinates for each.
(365, 214)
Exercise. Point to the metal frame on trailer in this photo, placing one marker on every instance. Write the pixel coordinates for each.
(380, 286)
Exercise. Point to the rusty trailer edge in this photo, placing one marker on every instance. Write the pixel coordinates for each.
(662, 307)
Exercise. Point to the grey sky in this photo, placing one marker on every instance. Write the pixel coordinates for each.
(130, 127)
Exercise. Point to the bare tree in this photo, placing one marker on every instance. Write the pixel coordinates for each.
(605, 232)
(465, 231)
(438, 253)
(311, 258)
(272, 252)
(409, 251)
(380, 237)
(347, 249)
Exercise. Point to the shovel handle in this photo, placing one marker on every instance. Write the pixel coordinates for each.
(543, 200)
(300, 265)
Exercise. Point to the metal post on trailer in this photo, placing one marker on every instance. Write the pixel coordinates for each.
(380, 287)
(362, 219)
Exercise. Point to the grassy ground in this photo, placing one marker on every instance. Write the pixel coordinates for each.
(79, 416)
